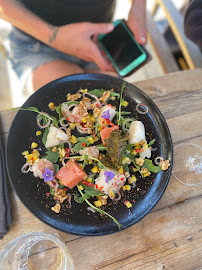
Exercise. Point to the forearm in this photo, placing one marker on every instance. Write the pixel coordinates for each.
(19, 16)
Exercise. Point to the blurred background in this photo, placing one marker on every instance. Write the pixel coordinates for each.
(163, 18)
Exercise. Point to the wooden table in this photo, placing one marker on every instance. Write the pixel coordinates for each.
(170, 236)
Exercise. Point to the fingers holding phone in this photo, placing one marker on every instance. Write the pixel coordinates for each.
(124, 52)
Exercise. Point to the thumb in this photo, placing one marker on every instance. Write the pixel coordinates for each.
(99, 59)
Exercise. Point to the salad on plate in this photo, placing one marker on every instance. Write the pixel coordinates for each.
(94, 151)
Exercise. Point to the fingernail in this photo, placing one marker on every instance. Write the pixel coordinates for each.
(110, 27)
(143, 40)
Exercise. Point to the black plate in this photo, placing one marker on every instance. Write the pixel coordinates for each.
(78, 220)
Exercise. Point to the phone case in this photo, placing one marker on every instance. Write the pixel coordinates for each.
(149, 58)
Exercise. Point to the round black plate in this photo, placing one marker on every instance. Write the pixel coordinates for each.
(78, 220)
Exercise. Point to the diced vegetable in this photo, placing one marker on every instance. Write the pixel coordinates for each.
(71, 174)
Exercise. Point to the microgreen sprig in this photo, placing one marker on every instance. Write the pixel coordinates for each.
(86, 157)
(120, 226)
(121, 101)
(34, 109)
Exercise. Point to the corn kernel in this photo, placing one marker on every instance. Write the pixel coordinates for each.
(113, 98)
(54, 149)
(84, 120)
(73, 139)
(91, 140)
(98, 203)
(34, 145)
(81, 187)
(125, 160)
(89, 179)
(99, 128)
(134, 152)
(146, 147)
(94, 169)
(132, 179)
(146, 174)
(112, 193)
(84, 90)
(90, 161)
(121, 170)
(126, 187)
(52, 106)
(138, 146)
(128, 204)
(38, 133)
(72, 125)
(25, 153)
(125, 103)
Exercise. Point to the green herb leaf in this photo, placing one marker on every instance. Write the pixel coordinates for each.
(56, 166)
(52, 156)
(45, 134)
(82, 139)
(97, 92)
(151, 142)
(101, 211)
(149, 165)
(77, 147)
(34, 109)
(92, 191)
(101, 147)
(126, 168)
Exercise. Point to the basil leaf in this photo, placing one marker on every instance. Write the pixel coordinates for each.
(149, 165)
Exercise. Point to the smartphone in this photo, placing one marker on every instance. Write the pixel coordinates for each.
(124, 52)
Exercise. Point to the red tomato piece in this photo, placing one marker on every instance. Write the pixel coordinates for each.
(106, 131)
(71, 174)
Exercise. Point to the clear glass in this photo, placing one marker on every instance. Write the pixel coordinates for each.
(187, 165)
(36, 251)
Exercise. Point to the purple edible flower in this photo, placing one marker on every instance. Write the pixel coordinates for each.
(106, 115)
(108, 176)
(48, 175)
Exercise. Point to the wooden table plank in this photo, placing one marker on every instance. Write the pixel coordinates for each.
(170, 236)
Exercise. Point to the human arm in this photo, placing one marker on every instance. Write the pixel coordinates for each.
(74, 39)
(193, 22)
(137, 21)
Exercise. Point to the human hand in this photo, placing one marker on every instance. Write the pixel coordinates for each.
(137, 21)
(77, 39)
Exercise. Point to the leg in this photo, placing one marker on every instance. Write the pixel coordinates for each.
(51, 71)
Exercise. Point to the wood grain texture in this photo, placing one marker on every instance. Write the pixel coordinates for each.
(170, 236)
